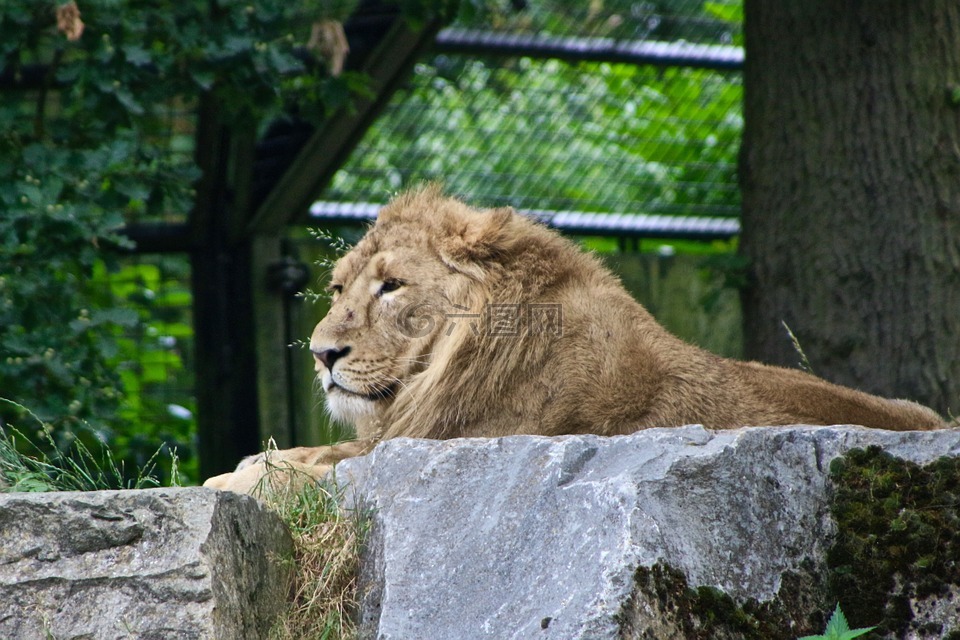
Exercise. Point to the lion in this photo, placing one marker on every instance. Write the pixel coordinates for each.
(448, 321)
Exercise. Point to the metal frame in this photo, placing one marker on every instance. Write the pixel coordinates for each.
(661, 54)
(578, 223)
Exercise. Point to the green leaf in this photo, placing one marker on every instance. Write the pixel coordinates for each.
(237, 44)
(121, 317)
(133, 189)
(839, 629)
(283, 62)
(136, 55)
(725, 10)
(204, 78)
(129, 102)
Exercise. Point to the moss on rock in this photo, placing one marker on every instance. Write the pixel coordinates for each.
(898, 540)
(664, 606)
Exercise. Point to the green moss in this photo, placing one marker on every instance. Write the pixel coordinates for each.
(664, 605)
(898, 537)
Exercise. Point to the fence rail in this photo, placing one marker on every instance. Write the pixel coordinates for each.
(581, 223)
(580, 49)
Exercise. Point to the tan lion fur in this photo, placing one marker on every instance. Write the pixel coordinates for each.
(429, 355)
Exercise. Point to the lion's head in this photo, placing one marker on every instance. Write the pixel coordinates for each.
(402, 297)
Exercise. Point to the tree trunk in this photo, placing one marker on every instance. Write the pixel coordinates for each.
(850, 170)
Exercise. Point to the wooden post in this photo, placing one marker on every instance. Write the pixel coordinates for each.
(222, 282)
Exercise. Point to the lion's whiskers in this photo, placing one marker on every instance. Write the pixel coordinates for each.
(413, 399)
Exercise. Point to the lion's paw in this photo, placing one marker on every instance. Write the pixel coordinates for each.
(260, 478)
(274, 469)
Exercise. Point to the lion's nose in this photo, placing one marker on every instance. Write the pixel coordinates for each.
(330, 356)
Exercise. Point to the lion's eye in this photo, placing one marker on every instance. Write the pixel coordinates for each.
(335, 289)
(389, 285)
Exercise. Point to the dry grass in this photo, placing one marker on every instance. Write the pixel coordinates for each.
(327, 542)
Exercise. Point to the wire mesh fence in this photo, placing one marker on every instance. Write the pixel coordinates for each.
(553, 135)
(694, 21)
(569, 135)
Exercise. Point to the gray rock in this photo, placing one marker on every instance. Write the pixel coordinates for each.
(159, 563)
(530, 537)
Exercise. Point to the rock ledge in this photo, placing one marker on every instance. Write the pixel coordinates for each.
(591, 537)
(157, 563)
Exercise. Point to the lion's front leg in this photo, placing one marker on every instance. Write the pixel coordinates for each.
(271, 471)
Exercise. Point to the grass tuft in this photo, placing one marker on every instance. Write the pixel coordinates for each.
(26, 466)
(327, 543)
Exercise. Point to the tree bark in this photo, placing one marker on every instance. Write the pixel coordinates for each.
(850, 171)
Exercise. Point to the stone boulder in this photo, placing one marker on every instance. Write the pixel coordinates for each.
(158, 563)
(666, 533)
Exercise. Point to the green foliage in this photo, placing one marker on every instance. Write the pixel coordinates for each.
(154, 357)
(838, 629)
(75, 468)
(898, 535)
(730, 11)
(549, 134)
(98, 133)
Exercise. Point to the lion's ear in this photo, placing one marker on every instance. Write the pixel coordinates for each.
(476, 236)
